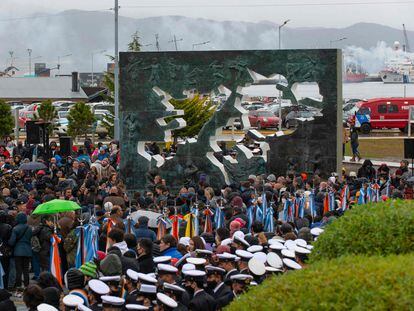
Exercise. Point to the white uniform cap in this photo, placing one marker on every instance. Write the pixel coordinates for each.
(135, 307)
(316, 231)
(146, 278)
(133, 275)
(277, 239)
(290, 244)
(166, 268)
(226, 241)
(277, 246)
(98, 287)
(215, 269)
(173, 287)
(241, 277)
(310, 247)
(196, 261)
(226, 256)
(272, 269)
(239, 239)
(108, 206)
(84, 308)
(203, 252)
(255, 248)
(152, 274)
(257, 267)
(301, 242)
(291, 264)
(115, 278)
(302, 250)
(288, 253)
(196, 273)
(72, 300)
(187, 267)
(274, 260)
(149, 289)
(46, 307)
(166, 300)
(184, 240)
(182, 260)
(162, 259)
(112, 300)
(260, 256)
(244, 254)
(238, 234)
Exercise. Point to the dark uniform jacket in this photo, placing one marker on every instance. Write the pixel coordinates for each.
(202, 302)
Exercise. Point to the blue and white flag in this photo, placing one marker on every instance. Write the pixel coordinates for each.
(218, 218)
(269, 222)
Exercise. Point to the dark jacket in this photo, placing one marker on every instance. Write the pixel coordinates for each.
(21, 237)
(146, 264)
(221, 296)
(5, 233)
(366, 170)
(143, 232)
(202, 302)
(44, 233)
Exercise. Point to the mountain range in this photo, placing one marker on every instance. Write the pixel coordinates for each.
(80, 33)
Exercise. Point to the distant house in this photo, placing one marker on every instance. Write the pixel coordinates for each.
(37, 89)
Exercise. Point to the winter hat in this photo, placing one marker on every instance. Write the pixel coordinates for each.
(74, 279)
(234, 226)
(111, 265)
(237, 201)
(101, 255)
(89, 269)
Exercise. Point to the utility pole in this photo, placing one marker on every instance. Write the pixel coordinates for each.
(116, 77)
(175, 40)
(58, 63)
(30, 61)
(157, 43)
(280, 79)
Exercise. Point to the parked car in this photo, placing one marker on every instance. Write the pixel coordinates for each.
(27, 114)
(383, 113)
(98, 127)
(253, 106)
(294, 117)
(263, 119)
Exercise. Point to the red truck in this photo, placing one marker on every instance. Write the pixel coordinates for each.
(383, 113)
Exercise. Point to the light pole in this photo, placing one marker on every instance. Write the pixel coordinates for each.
(201, 43)
(116, 76)
(337, 40)
(92, 54)
(30, 61)
(280, 93)
(58, 64)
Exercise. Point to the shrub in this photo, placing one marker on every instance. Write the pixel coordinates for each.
(373, 229)
(346, 283)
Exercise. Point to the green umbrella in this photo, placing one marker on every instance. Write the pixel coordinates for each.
(56, 206)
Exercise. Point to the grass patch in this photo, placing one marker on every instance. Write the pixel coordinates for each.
(391, 149)
(347, 283)
(372, 229)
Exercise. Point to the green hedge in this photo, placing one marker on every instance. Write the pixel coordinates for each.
(373, 229)
(352, 282)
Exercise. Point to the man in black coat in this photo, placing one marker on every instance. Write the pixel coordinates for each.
(145, 260)
(5, 249)
(201, 301)
(216, 286)
(6, 304)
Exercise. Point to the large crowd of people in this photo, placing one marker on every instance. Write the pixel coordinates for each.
(207, 245)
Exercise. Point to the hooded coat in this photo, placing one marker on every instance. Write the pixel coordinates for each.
(21, 237)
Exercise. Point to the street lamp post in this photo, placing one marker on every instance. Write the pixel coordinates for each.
(92, 54)
(116, 76)
(337, 40)
(30, 61)
(58, 64)
(201, 43)
(280, 93)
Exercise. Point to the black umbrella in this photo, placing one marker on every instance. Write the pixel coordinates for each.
(32, 166)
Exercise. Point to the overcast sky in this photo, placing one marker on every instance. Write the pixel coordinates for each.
(303, 13)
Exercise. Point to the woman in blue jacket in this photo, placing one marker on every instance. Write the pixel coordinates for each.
(168, 247)
(20, 240)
